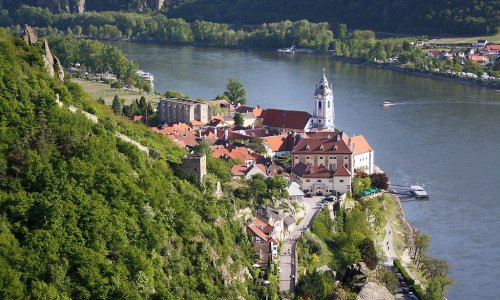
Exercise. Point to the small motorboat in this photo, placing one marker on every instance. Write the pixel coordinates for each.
(387, 103)
(290, 50)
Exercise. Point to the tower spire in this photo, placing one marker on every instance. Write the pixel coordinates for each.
(323, 116)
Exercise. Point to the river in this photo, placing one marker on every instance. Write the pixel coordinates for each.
(440, 133)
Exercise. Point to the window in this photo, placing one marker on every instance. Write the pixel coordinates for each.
(341, 180)
(328, 104)
(307, 180)
(334, 157)
(307, 157)
(331, 157)
(319, 180)
(319, 106)
(321, 157)
(345, 157)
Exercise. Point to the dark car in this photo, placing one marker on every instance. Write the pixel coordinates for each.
(329, 198)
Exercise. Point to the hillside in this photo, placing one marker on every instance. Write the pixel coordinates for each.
(84, 215)
(413, 16)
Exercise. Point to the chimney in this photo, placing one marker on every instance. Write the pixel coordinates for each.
(338, 137)
(226, 134)
(215, 132)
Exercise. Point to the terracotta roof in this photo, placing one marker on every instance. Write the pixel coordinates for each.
(290, 119)
(342, 171)
(360, 145)
(257, 112)
(239, 170)
(305, 171)
(477, 57)
(324, 142)
(252, 229)
(197, 123)
(493, 48)
(279, 142)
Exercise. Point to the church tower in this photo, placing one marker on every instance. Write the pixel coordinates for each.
(323, 117)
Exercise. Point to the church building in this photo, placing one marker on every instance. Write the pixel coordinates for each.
(323, 118)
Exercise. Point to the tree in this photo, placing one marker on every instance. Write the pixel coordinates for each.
(420, 246)
(238, 119)
(117, 105)
(380, 181)
(176, 94)
(368, 253)
(203, 147)
(235, 91)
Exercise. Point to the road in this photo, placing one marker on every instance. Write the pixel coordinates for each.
(288, 255)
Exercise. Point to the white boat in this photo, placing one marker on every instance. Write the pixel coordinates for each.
(290, 50)
(387, 103)
(418, 192)
(146, 75)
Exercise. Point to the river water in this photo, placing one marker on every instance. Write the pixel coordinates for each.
(442, 134)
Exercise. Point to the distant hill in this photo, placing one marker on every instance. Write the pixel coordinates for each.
(411, 16)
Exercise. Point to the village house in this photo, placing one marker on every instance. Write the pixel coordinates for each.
(278, 145)
(243, 154)
(362, 154)
(272, 217)
(242, 171)
(174, 110)
(322, 163)
(265, 244)
(492, 50)
(286, 121)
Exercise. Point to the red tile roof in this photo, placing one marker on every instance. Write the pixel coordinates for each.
(360, 145)
(324, 142)
(305, 171)
(279, 142)
(493, 48)
(342, 171)
(289, 119)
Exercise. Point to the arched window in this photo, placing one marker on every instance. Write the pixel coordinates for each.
(319, 105)
(328, 104)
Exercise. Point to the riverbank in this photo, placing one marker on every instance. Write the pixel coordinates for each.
(398, 68)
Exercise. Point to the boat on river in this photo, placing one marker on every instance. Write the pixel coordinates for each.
(387, 103)
(146, 75)
(418, 192)
(290, 50)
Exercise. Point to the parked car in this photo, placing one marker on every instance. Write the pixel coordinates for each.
(329, 198)
(266, 282)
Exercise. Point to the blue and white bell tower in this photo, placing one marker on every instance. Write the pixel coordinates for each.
(324, 115)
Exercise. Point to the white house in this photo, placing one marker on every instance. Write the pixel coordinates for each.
(362, 154)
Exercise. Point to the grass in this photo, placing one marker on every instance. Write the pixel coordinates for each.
(102, 90)
(494, 39)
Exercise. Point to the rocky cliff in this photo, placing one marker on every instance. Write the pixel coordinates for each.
(52, 63)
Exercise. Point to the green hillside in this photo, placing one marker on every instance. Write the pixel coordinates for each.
(84, 215)
(412, 16)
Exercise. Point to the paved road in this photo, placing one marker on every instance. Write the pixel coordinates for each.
(288, 255)
(388, 244)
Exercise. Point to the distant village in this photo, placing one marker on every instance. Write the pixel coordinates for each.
(480, 52)
(306, 149)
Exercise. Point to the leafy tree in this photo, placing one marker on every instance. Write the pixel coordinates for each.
(176, 94)
(203, 147)
(238, 119)
(368, 253)
(235, 91)
(379, 180)
(117, 105)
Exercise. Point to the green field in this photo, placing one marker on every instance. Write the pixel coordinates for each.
(103, 90)
(492, 39)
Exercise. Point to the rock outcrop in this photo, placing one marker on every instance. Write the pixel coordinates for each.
(373, 291)
(29, 36)
(52, 63)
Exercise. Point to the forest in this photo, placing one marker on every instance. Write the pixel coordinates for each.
(84, 215)
(405, 17)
